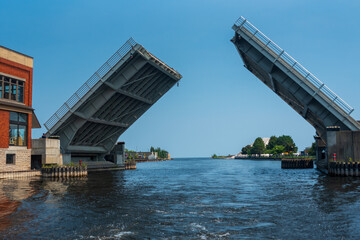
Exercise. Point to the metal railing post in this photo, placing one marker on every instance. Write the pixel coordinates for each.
(242, 24)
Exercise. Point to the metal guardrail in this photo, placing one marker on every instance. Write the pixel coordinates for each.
(90, 83)
(291, 63)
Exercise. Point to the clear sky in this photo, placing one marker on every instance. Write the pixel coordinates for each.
(220, 106)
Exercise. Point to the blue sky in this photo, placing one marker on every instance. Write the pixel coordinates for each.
(220, 106)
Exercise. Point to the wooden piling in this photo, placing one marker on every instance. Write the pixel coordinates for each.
(344, 169)
(64, 172)
(295, 163)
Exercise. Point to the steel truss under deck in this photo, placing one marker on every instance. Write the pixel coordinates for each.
(306, 94)
(114, 97)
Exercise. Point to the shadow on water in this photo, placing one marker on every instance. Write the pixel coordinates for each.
(12, 193)
(333, 192)
(60, 207)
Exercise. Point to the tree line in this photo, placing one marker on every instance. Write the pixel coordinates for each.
(276, 146)
(161, 152)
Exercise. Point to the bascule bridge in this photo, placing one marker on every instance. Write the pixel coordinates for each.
(90, 122)
(337, 132)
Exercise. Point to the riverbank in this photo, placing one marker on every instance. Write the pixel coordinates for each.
(214, 156)
(278, 158)
(152, 160)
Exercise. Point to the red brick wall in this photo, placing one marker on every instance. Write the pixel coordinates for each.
(21, 71)
(4, 129)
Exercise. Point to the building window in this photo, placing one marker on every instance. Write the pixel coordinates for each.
(11, 89)
(10, 158)
(18, 129)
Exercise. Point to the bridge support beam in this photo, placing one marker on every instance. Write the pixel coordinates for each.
(129, 94)
(101, 121)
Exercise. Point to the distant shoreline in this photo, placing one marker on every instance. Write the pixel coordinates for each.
(266, 158)
(258, 158)
(223, 157)
(277, 158)
(151, 160)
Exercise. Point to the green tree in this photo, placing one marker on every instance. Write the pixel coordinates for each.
(312, 150)
(129, 151)
(268, 151)
(278, 149)
(272, 142)
(258, 146)
(246, 150)
(161, 152)
(287, 142)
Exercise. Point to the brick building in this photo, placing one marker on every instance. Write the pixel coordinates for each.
(17, 116)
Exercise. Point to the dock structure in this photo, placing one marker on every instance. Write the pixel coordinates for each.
(299, 88)
(297, 163)
(90, 122)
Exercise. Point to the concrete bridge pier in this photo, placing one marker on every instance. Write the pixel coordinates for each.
(321, 153)
(117, 154)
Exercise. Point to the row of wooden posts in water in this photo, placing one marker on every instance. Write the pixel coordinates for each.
(64, 172)
(78, 171)
(351, 169)
(294, 163)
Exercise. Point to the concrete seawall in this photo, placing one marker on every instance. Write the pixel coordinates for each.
(19, 174)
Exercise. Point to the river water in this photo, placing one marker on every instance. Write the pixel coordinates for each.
(184, 199)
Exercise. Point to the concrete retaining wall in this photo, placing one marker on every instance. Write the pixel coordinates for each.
(346, 146)
(49, 149)
(19, 174)
(22, 159)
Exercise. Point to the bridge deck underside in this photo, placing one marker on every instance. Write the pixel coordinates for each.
(304, 99)
(287, 94)
(109, 110)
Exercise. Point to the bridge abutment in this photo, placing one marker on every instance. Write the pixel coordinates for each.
(340, 154)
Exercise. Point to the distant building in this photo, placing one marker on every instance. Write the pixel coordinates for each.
(305, 152)
(144, 155)
(266, 141)
(17, 116)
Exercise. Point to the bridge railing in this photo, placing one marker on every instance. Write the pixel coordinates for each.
(280, 55)
(90, 83)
